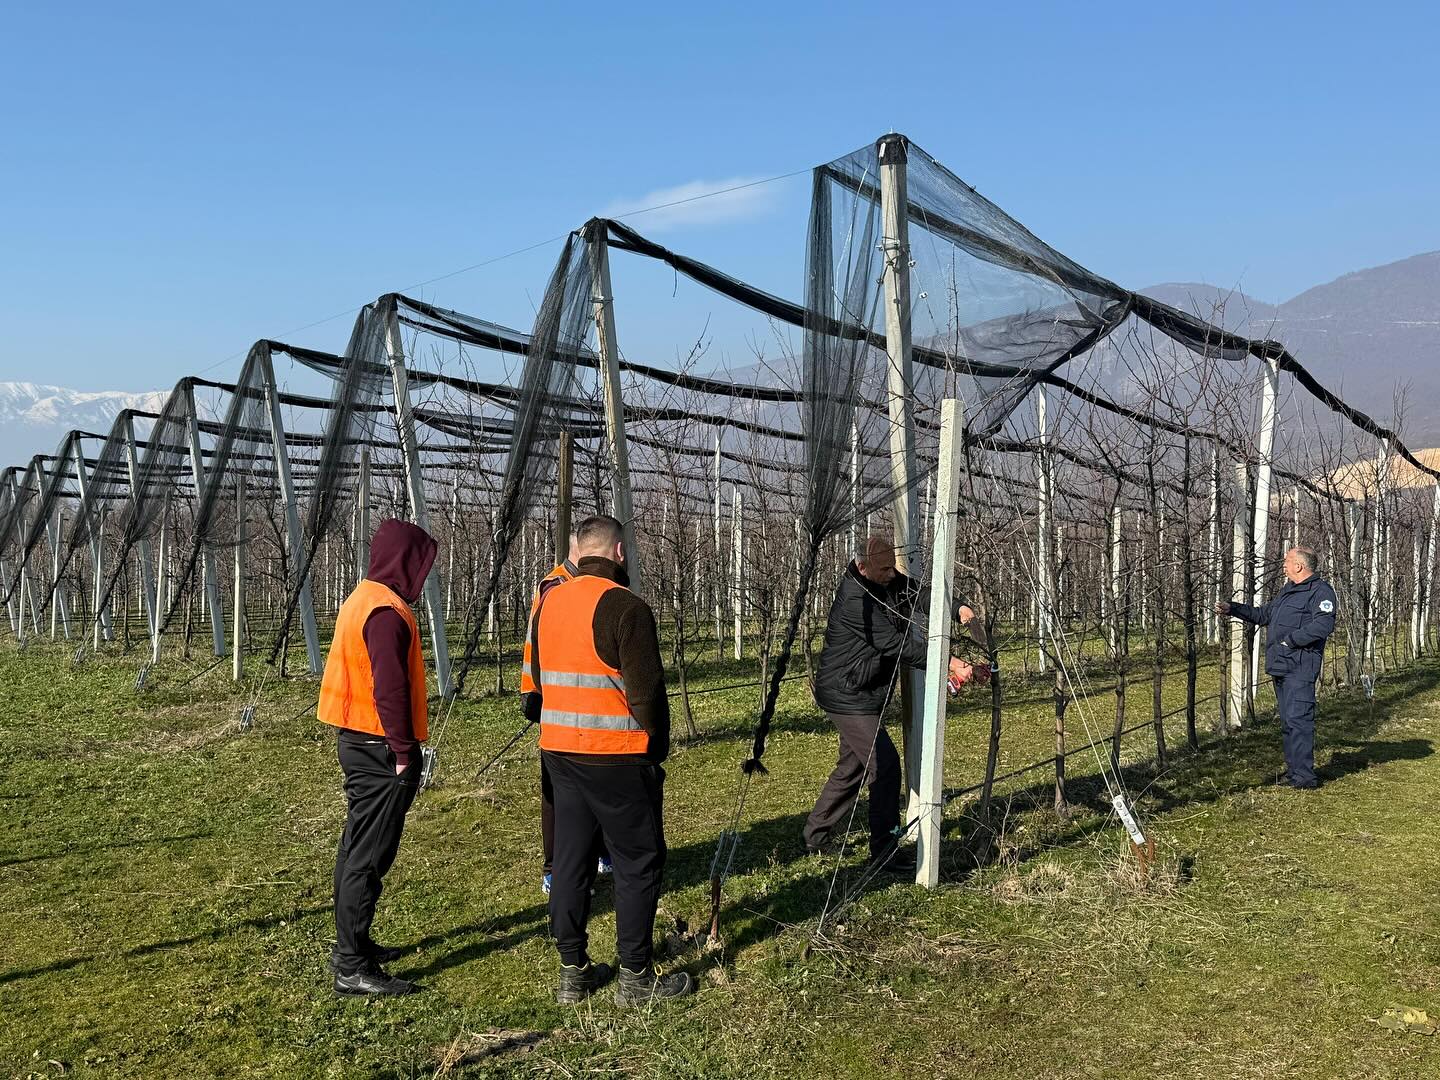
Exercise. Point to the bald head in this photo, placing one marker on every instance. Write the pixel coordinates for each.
(876, 561)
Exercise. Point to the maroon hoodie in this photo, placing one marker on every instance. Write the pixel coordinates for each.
(401, 556)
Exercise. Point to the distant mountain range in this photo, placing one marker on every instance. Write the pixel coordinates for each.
(35, 417)
(1363, 335)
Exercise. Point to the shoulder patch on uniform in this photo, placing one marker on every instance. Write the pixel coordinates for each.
(1327, 606)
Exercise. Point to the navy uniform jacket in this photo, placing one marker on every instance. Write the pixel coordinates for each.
(1296, 622)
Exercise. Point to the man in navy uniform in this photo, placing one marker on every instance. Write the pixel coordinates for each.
(1296, 622)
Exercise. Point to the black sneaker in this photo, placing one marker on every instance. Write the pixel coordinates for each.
(372, 982)
(643, 987)
(578, 983)
(382, 956)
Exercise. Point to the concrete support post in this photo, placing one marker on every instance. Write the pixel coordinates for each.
(936, 677)
(1269, 388)
(197, 476)
(1239, 657)
(294, 539)
(415, 485)
(237, 600)
(609, 349)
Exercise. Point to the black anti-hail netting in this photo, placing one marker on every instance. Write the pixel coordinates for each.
(801, 430)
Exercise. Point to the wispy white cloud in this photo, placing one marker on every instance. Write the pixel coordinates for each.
(699, 202)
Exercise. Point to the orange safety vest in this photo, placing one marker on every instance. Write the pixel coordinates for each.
(584, 709)
(561, 573)
(347, 692)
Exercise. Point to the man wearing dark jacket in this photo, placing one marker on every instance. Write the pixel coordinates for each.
(1297, 623)
(374, 692)
(867, 638)
(604, 731)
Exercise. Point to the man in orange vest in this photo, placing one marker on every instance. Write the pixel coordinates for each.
(530, 702)
(604, 731)
(374, 692)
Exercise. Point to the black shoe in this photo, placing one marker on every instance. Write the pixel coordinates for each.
(643, 987)
(382, 955)
(1305, 785)
(372, 982)
(891, 860)
(578, 983)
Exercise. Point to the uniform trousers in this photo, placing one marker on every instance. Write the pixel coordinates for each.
(625, 802)
(378, 802)
(1295, 696)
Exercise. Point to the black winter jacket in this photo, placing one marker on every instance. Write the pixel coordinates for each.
(866, 638)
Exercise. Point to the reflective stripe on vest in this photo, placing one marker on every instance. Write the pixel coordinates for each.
(347, 691)
(584, 709)
(560, 574)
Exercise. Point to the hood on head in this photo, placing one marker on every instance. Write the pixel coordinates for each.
(401, 556)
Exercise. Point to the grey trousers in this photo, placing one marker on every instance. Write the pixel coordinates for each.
(867, 757)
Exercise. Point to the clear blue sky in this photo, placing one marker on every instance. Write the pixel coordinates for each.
(178, 180)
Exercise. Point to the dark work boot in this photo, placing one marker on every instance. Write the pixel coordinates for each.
(643, 987)
(578, 983)
(372, 982)
(893, 860)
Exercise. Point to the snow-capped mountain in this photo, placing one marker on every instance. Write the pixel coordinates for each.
(35, 417)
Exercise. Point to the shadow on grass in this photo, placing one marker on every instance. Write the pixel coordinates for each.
(258, 923)
(96, 848)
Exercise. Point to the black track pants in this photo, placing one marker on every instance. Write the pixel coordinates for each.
(867, 756)
(626, 803)
(547, 819)
(378, 800)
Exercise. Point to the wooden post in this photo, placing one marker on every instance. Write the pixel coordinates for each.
(565, 484)
(237, 614)
(609, 349)
(931, 728)
(295, 542)
(415, 486)
(197, 476)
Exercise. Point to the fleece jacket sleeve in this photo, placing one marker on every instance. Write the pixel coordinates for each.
(387, 640)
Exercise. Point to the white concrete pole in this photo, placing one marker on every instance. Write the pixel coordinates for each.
(82, 481)
(10, 600)
(737, 556)
(146, 577)
(936, 676)
(1212, 619)
(295, 541)
(1382, 476)
(895, 242)
(1239, 660)
(415, 485)
(1117, 580)
(1045, 600)
(719, 564)
(197, 476)
(237, 600)
(1428, 571)
(1269, 387)
(609, 349)
(1415, 594)
(161, 582)
(362, 516)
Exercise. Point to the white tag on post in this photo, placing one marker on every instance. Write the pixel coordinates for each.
(1128, 819)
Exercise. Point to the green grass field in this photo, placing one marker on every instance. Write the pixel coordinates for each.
(164, 900)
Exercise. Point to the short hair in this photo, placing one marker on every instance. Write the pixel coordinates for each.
(1307, 557)
(597, 532)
